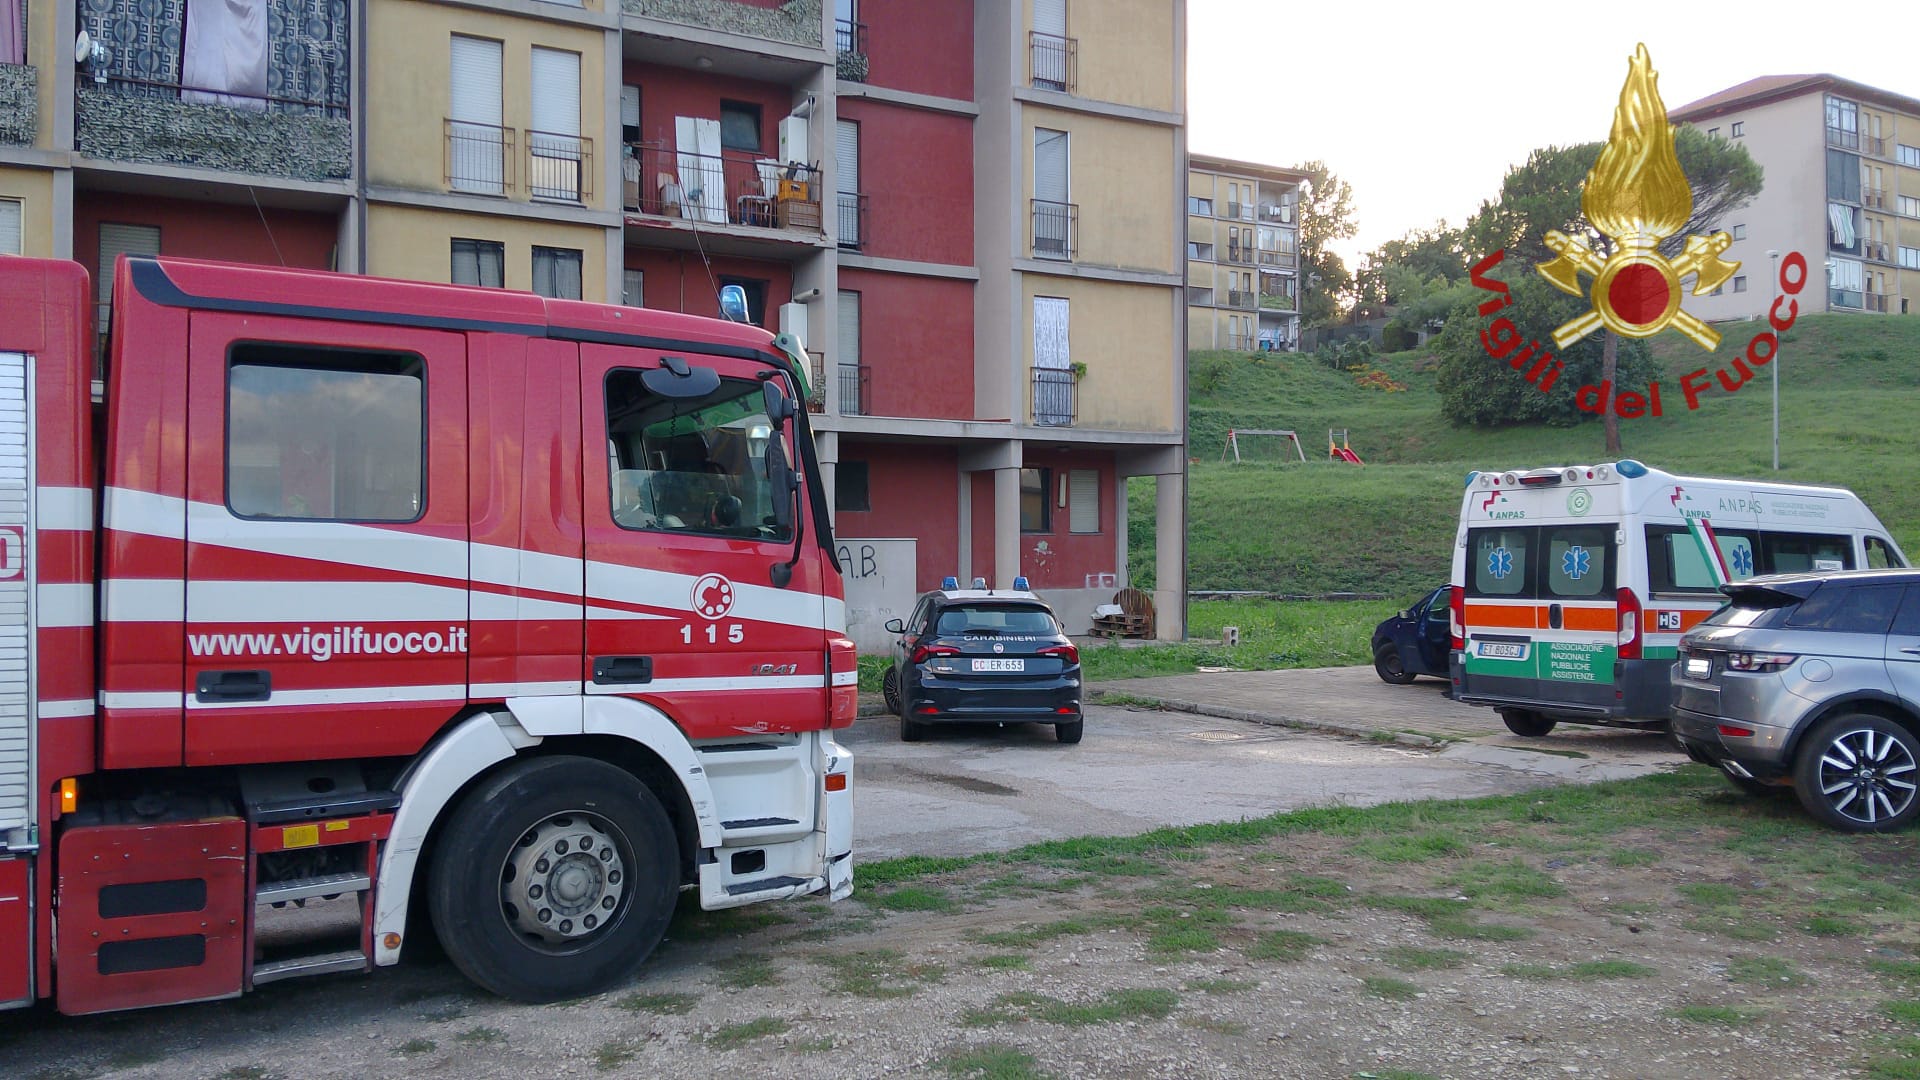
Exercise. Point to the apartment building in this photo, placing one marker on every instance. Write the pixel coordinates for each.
(1243, 255)
(1842, 163)
(970, 212)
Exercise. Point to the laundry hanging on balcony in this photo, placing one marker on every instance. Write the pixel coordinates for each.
(226, 50)
(703, 183)
(13, 39)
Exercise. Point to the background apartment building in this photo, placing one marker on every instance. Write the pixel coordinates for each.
(971, 213)
(1842, 163)
(1243, 255)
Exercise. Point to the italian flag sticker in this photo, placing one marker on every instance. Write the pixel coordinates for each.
(1702, 531)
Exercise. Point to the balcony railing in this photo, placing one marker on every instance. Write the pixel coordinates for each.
(1242, 342)
(817, 384)
(1241, 298)
(1876, 249)
(1873, 144)
(853, 221)
(1240, 211)
(854, 389)
(1054, 226)
(1274, 301)
(1240, 254)
(479, 158)
(1055, 61)
(1877, 302)
(733, 188)
(1277, 213)
(1873, 197)
(1278, 258)
(1053, 393)
(1845, 298)
(1842, 138)
(850, 43)
(559, 167)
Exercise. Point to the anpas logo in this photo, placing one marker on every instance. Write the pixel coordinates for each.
(1637, 196)
(1495, 499)
(1679, 497)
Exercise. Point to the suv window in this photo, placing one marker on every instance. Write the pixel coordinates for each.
(1857, 610)
(995, 619)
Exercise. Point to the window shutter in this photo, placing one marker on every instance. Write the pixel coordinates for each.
(630, 113)
(849, 327)
(10, 226)
(1083, 501)
(118, 240)
(846, 147)
(1050, 17)
(477, 156)
(556, 91)
(633, 288)
(1050, 165)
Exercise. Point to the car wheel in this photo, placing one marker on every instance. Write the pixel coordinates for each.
(912, 730)
(1070, 733)
(890, 690)
(1526, 722)
(1858, 772)
(1386, 664)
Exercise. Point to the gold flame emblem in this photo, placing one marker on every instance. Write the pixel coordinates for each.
(1637, 195)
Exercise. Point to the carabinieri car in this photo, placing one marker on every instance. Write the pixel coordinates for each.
(983, 655)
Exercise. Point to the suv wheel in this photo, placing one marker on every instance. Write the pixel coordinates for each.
(1387, 665)
(1526, 722)
(1858, 772)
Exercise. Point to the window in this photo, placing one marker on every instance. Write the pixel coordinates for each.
(1083, 501)
(556, 156)
(1843, 610)
(756, 297)
(1739, 128)
(1843, 176)
(480, 262)
(850, 490)
(995, 618)
(1908, 206)
(1907, 155)
(740, 126)
(556, 272)
(1198, 250)
(1880, 554)
(10, 226)
(1739, 232)
(1036, 508)
(1052, 361)
(1200, 206)
(476, 151)
(1713, 133)
(1677, 558)
(325, 434)
(115, 241)
(1910, 258)
(629, 114)
(691, 465)
(1843, 122)
(1846, 283)
(1579, 561)
(1052, 216)
(633, 288)
(1501, 566)
(1796, 553)
(1740, 283)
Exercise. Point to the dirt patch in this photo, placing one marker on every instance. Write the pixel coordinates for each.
(1655, 928)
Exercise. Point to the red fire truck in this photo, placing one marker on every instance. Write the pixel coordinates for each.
(349, 611)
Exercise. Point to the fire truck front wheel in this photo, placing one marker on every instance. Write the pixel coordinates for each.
(554, 878)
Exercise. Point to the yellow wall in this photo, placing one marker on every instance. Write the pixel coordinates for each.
(45, 42)
(1120, 175)
(1125, 50)
(1200, 323)
(34, 188)
(1125, 337)
(408, 55)
(408, 242)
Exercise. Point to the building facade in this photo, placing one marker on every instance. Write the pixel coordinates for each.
(1243, 255)
(1842, 162)
(969, 212)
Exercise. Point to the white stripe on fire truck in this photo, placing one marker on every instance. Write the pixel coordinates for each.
(130, 600)
(727, 682)
(343, 695)
(498, 607)
(64, 606)
(140, 699)
(59, 710)
(143, 512)
(323, 601)
(480, 691)
(453, 693)
(756, 603)
(65, 509)
(527, 569)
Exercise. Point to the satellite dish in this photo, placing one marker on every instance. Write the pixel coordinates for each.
(82, 47)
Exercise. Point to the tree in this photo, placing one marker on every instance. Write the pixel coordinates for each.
(1326, 216)
(1544, 194)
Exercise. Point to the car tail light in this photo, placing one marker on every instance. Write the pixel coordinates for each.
(1736, 731)
(1068, 654)
(1457, 615)
(1759, 662)
(1629, 639)
(922, 652)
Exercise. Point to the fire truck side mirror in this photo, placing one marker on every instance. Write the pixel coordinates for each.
(779, 405)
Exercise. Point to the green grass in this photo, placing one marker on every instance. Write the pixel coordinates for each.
(1005, 962)
(482, 1036)
(1412, 958)
(1765, 971)
(1222, 986)
(913, 898)
(991, 1063)
(1723, 1015)
(880, 973)
(1283, 946)
(1272, 635)
(415, 1046)
(745, 972)
(729, 1036)
(1389, 988)
(1585, 971)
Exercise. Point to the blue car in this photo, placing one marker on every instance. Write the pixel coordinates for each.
(1414, 642)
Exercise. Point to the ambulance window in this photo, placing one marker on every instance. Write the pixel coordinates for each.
(1500, 561)
(1880, 554)
(693, 465)
(1579, 561)
(319, 434)
(1736, 551)
(1796, 553)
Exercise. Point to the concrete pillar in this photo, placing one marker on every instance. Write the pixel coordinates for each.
(964, 571)
(1119, 530)
(1006, 527)
(1170, 557)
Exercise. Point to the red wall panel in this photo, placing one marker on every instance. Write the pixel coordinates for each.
(916, 169)
(913, 491)
(924, 46)
(1061, 558)
(916, 334)
(679, 281)
(201, 230)
(667, 92)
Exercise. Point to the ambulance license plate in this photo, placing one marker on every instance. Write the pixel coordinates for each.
(1000, 664)
(1503, 650)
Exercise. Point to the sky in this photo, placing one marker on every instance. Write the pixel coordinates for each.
(1422, 107)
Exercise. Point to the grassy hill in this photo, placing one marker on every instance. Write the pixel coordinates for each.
(1849, 415)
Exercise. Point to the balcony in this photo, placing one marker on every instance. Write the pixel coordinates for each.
(1054, 61)
(1243, 342)
(734, 188)
(1276, 301)
(1240, 211)
(305, 134)
(1873, 198)
(1239, 254)
(1278, 258)
(1876, 249)
(19, 104)
(1874, 145)
(480, 161)
(1054, 227)
(1842, 138)
(852, 221)
(1053, 394)
(1276, 213)
(1879, 302)
(1242, 298)
(850, 45)
(796, 22)
(559, 167)
(855, 389)
(1846, 298)
(816, 382)
(479, 158)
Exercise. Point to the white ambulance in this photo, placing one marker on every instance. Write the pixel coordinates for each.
(1573, 584)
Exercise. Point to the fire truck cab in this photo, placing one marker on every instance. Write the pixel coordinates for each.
(345, 609)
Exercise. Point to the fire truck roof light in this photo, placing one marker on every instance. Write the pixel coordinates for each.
(1020, 584)
(69, 795)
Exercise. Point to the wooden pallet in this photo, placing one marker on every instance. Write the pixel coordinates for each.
(1135, 619)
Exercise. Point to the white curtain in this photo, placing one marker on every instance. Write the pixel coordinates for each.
(226, 49)
(703, 183)
(13, 42)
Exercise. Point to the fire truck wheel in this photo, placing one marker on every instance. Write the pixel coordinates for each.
(554, 879)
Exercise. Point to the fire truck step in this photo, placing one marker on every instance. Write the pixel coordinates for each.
(772, 884)
(319, 964)
(279, 892)
(758, 823)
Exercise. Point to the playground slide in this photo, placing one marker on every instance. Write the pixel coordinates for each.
(1345, 454)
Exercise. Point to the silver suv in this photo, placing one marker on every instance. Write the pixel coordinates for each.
(1811, 681)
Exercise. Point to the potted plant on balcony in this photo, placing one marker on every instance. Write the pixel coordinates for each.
(1078, 369)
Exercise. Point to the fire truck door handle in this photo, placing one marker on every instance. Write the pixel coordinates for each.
(233, 686)
(622, 669)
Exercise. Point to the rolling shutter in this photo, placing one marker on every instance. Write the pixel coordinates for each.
(115, 241)
(478, 154)
(10, 226)
(16, 634)
(846, 149)
(1050, 17)
(1050, 165)
(1083, 500)
(555, 156)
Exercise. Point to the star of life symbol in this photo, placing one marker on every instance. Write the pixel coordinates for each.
(1742, 560)
(1499, 563)
(712, 596)
(1637, 195)
(1575, 563)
